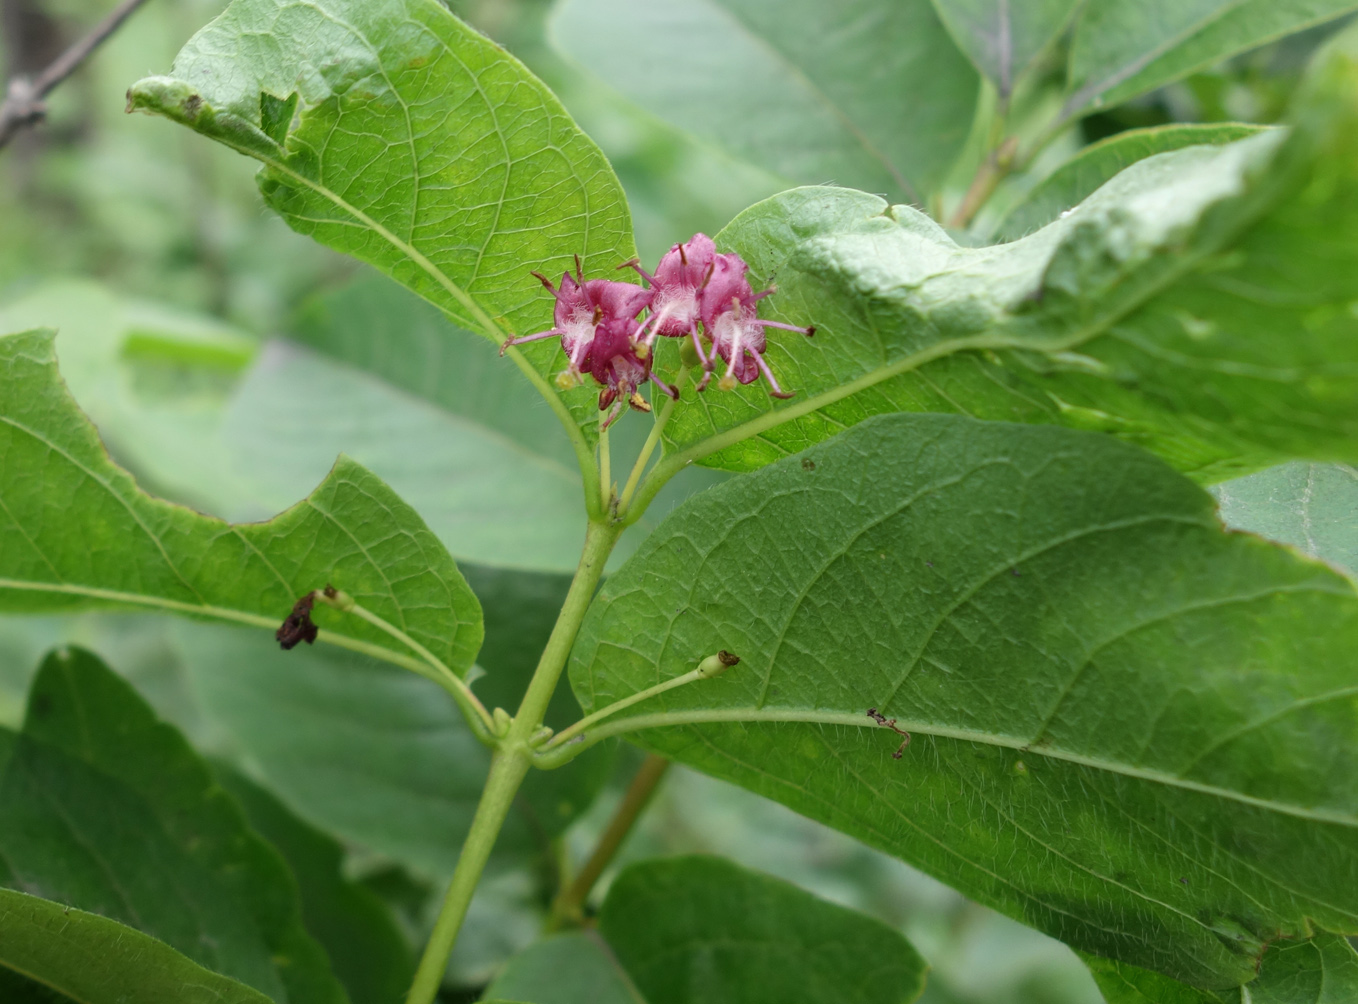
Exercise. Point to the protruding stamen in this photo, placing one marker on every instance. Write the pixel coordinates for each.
(638, 402)
(707, 276)
(546, 282)
(665, 389)
(777, 391)
(808, 332)
(579, 272)
(598, 315)
(683, 258)
(634, 263)
(520, 340)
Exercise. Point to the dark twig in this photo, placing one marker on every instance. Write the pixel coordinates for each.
(24, 105)
(570, 904)
(890, 723)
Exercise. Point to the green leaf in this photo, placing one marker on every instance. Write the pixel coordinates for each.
(367, 950)
(700, 929)
(1123, 49)
(1131, 730)
(94, 960)
(1003, 38)
(1313, 507)
(1123, 984)
(78, 532)
(867, 93)
(577, 968)
(1086, 172)
(418, 146)
(1321, 970)
(1198, 305)
(108, 809)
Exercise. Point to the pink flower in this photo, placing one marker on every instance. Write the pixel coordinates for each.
(596, 320)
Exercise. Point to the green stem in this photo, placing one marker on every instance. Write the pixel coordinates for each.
(507, 770)
(511, 763)
(652, 441)
(599, 541)
(569, 906)
(566, 735)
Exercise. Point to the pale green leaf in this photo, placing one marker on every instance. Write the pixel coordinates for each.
(417, 145)
(1199, 304)
(107, 809)
(1313, 507)
(1124, 49)
(94, 960)
(1131, 730)
(1086, 172)
(700, 930)
(867, 93)
(78, 532)
(577, 968)
(1003, 37)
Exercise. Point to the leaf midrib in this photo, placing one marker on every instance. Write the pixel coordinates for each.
(338, 638)
(933, 729)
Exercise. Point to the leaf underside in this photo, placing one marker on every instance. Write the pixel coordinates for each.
(1131, 730)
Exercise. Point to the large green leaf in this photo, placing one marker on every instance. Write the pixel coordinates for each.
(1313, 507)
(94, 960)
(1131, 730)
(1086, 172)
(577, 968)
(868, 93)
(1197, 305)
(78, 532)
(700, 930)
(1125, 49)
(390, 130)
(107, 809)
(1002, 37)
(489, 468)
(367, 950)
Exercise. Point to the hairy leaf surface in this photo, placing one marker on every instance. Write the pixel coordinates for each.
(411, 142)
(1131, 730)
(1197, 304)
(76, 532)
(867, 93)
(94, 960)
(107, 809)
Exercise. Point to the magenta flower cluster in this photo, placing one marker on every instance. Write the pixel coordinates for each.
(696, 293)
